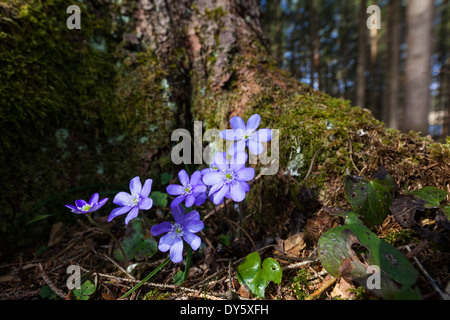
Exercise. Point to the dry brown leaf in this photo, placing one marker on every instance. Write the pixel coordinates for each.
(295, 244)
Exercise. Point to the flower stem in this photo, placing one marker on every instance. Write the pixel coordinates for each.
(112, 236)
(188, 263)
(157, 269)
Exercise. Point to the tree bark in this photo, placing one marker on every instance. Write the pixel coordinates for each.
(315, 44)
(419, 17)
(392, 75)
(362, 57)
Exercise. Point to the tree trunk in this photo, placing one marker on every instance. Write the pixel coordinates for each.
(392, 75)
(362, 57)
(419, 17)
(315, 45)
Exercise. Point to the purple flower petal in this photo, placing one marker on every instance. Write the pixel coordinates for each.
(117, 212)
(176, 251)
(253, 122)
(146, 204)
(175, 189)
(166, 242)
(263, 135)
(147, 188)
(200, 199)
(178, 214)
(255, 147)
(193, 240)
(245, 174)
(237, 193)
(229, 134)
(237, 123)
(245, 186)
(194, 226)
(175, 202)
(133, 214)
(80, 203)
(163, 227)
(94, 199)
(192, 215)
(195, 178)
(238, 146)
(199, 188)
(220, 194)
(100, 203)
(220, 160)
(190, 199)
(205, 171)
(73, 208)
(213, 178)
(135, 185)
(238, 161)
(183, 176)
(122, 198)
(216, 187)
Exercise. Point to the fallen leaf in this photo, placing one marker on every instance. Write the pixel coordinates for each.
(295, 244)
(404, 208)
(107, 296)
(56, 234)
(342, 289)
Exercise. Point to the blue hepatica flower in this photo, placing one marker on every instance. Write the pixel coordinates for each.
(82, 206)
(230, 180)
(138, 199)
(246, 135)
(185, 227)
(190, 191)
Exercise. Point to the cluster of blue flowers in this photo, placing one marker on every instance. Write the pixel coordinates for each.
(225, 178)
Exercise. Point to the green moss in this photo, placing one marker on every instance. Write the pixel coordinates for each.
(109, 100)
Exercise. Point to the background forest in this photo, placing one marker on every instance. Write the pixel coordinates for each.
(328, 45)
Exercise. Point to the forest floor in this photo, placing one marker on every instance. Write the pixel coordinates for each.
(33, 272)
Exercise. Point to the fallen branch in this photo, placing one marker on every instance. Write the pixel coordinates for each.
(50, 283)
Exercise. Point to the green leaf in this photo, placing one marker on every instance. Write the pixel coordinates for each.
(136, 244)
(446, 211)
(47, 292)
(166, 177)
(87, 289)
(256, 278)
(348, 251)
(370, 198)
(178, 277)
(159, 199)
(431, 195)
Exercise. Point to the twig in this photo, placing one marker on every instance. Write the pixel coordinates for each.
(165, 286)
(311, 164)
(351, 155)
(246, 233)
(325, 285)
(118, 266)
(438, 290)
(50, 283)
